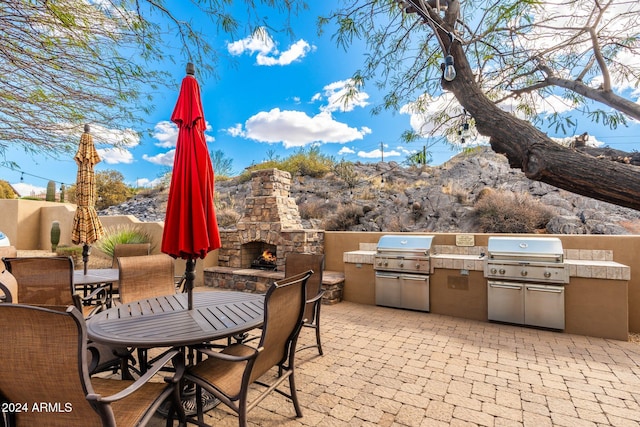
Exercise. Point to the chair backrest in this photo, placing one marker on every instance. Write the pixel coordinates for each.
(296, 263)
(129, 249)
(8, 252)
(8, 286)
(43, 280)
(46, 362)
(283, 308)
(145, 277)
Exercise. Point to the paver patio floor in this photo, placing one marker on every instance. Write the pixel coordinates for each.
(390, 367)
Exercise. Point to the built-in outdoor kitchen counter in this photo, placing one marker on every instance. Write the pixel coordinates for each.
(596, 300)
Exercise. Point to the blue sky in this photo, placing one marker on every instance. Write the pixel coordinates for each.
(281, 94)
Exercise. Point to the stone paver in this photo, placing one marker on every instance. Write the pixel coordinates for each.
(390, 367)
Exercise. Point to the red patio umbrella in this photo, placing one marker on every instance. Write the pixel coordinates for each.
(190, 226)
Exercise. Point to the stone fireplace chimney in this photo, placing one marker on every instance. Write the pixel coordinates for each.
(271, 222)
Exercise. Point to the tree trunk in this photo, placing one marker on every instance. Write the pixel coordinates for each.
(532, 151)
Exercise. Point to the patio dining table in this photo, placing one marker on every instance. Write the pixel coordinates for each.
(165, 321)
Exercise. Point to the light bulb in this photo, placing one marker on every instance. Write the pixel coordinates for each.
(449, 70)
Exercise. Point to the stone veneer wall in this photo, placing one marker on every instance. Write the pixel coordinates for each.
(271, 216)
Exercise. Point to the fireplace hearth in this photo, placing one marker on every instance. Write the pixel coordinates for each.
(271, 222)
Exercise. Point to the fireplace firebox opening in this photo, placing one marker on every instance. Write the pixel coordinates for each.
(259, 255)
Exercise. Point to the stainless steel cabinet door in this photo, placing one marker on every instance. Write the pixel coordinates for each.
(544, 306)
(505, 301)
(388, 289)
(415, 292)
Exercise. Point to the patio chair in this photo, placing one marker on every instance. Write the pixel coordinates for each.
(47, 362)
(129, 249)
(49, 281)
(296, 263)
(144, 277)
(229, 373)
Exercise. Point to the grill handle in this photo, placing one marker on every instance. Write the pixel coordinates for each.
(495, 285)
(387, 276)
(549, 290)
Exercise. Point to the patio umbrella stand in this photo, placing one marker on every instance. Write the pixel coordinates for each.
(87, 227)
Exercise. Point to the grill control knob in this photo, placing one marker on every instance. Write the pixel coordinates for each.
(524, 273)
(547, 274)
(417, 266)
(402, 264)
(502, 271)
(386, 263)
(494, 271)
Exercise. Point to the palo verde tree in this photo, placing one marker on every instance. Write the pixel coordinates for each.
(65, 63)
(516, 67)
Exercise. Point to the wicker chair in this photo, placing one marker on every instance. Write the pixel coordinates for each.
(229, 373)
(46, 362)
(296, 263)
(129, 249)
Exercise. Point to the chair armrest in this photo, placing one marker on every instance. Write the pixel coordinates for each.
(178, 361)
(316, 298)
(230, 357)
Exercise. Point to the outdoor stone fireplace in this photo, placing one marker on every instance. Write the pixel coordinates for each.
(271, 222)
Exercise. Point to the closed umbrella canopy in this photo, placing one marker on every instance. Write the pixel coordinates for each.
(190, 226)
(87, 227)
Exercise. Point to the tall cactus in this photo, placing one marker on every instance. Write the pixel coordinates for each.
(55, 235)
(51, 192)
(62, 189)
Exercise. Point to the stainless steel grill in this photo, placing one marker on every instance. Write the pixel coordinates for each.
(402, 264)
(526, 280)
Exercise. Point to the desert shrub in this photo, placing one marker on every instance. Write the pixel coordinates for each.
(227, 217)
(310, 162)
(121, 234)
(317, 209)
(508, 212)
(346, 217)
(345, 171)
(74, 251)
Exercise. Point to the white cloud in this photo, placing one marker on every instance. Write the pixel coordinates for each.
(260, 42)
(377, 154)
(164, 159)
(297, 129)
(114, 156)
(126, 138)
(346, 150)
(27, 189)
(166, 133)
(342, 96)
(267, 52)
(146, 182)
(236, 130)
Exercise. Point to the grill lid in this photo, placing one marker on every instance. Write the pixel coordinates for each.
(525, 247)
(398, 243)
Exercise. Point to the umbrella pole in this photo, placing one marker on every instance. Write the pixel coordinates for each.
(190, 276)
(85, 256)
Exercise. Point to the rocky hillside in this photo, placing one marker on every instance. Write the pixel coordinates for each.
(387, 197)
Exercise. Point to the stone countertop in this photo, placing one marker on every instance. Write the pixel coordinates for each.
(586, 268)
